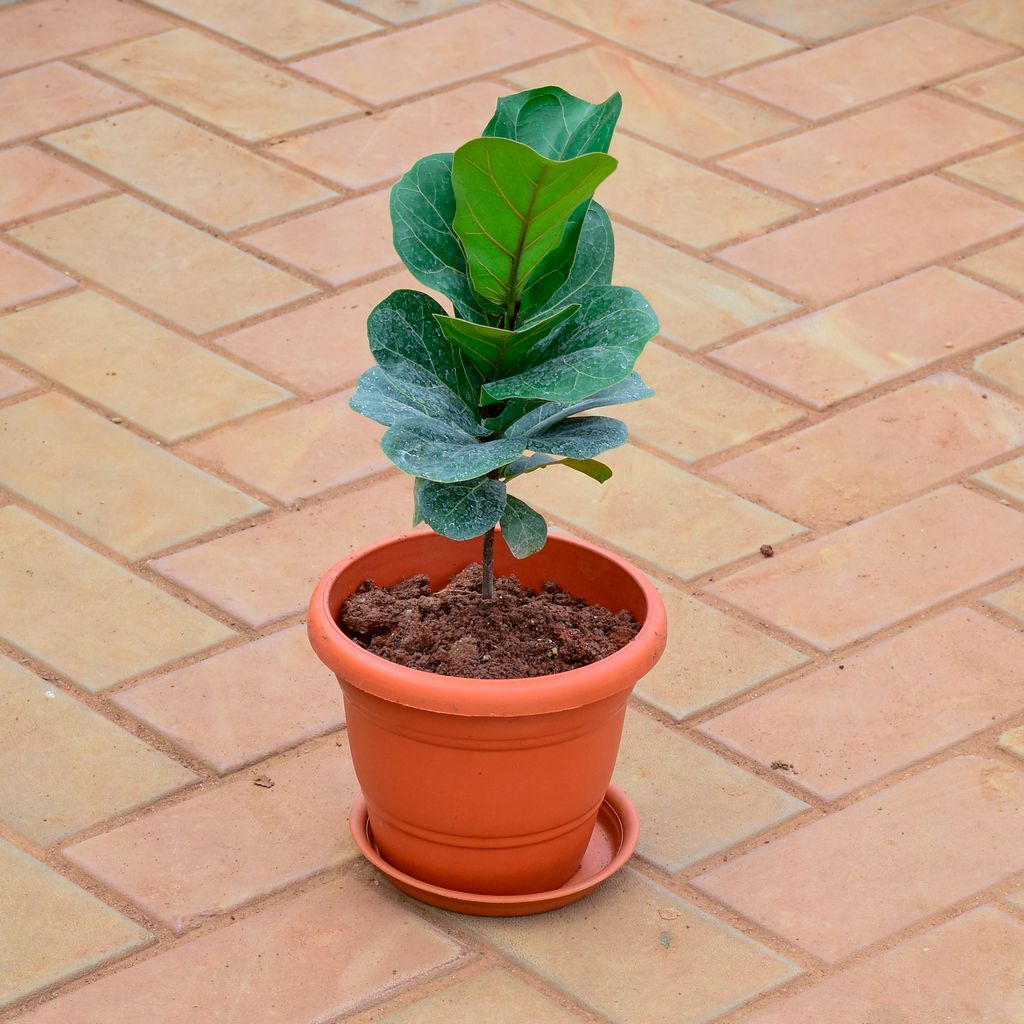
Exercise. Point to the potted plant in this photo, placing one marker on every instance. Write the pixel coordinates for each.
(487, 793)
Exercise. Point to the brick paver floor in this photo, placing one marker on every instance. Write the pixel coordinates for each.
(824, 200)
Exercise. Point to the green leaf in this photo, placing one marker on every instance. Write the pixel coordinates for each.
(494, 350)
(463, 510)
(409, 390)
(547, 414)
(588, 467)
(523, 529)
(595, 350)
(402, 327)
(580, 438)
(555, 123)
(422, 211)
(582, 261)
(511, 209)
(438, 451)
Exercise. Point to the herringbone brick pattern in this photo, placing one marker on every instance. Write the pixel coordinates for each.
(825, 203)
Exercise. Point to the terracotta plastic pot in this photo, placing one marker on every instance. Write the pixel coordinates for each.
(481, 785)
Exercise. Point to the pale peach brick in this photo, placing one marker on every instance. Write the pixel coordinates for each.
(307, 959)
(904, 137)
(882, 236)
(12, 383)
(967, 969)
(31, 181)
(372, 150)
(298, 452)
(244, 704)
(878, 572)
(867, 66)
(875, 337)
(1009, 601)
(437, 53)
(1001, 171)
(1002, 264)
(221, 849)
(877, 711)
(55, 28)
(1003, 19)
(340, 244)
(879, 453)
(682, 35)
(884, 863)
(399, 11)
(999, 88)
(817, 21)
(1013, 741)
(23, 278)
(1006, 479)
(698, 120)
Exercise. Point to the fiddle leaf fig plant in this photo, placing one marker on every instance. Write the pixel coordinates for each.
(507, 229)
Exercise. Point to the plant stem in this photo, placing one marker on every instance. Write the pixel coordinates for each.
(487, 583)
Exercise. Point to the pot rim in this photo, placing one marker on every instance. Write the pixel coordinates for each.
(469, 696)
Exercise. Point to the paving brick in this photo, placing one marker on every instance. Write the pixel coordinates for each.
(1000, 18)
(878, 572)
(877, 711)
(817, 21)
(12, 383)
(1006, 479)
(663, 960)
(300, 961)
(683, 35)
(54, 930)
(280, 31)
(42, 31)
(373, 150)
(269, 571)
(875, 337)
(685, 202)
(122, 626)
(1009, 601)
(494, 996)
(1001, 171)
(884, 863)
(999, 88)
(217, 851)
(299, 452)
(1002, 264)
(179, 272)
(443, 52)
(219, 85)
(700, 412)
(110, 484)
(1013, 741)
(31, 182)
(966, 969)
(692, 802)
(867, 66)
(146, 373)
(877, 454)
(44, 98)
(244, 704)
(710, 657)
(399, 11)
(191, 170)
(694, 527)
(698, 303)
(340, 244)
(906, 136)
(698, 120)
(66, 767)
(23, 278)
(321, 346)
(878, 237)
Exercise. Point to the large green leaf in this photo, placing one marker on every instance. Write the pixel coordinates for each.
(523, 529)
(582, 260)
(463, 510)
(495, 351)
(438, 451)
(580, 438)
(403, 327)
(529, 463)
(422, 211)
(547, 414)
(593, 351)
(511, 210)
(555, 123)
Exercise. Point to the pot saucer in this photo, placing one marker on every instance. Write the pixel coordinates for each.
(612, 844)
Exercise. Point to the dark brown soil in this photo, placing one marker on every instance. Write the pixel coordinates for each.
(455, 632)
